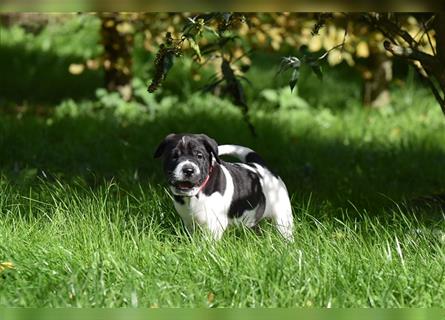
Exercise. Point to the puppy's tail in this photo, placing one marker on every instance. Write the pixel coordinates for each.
(244, 154)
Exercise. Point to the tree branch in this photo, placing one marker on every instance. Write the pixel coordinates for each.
(433, 89)
(429, 62)
(395, 30)
(410, 53)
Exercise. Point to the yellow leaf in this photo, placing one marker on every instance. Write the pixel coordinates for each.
(243, 29)
(340, 34)
(362, 50)
(6, 265)
(334, 57)
(348, 58)
(276, 44)
(109, 23)
(290, 41)
(93, 64)
(124, 28)
(261, 37)
(329, 42)
(281, 20)
(315, 44)
(378, 37)
(76, 68)
(210, 297)
(107, 64)
(412, 21)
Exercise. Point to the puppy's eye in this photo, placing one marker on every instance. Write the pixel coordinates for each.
(199, 155)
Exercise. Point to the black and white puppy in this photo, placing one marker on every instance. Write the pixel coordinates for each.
(213, 194)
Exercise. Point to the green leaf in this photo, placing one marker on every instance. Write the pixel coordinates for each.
(163, 63)
(317, 70)
(193, 27)
(195, 46)
(288, 63)
(212, 31)
(294, 79)
(189, 29)
(168, 62)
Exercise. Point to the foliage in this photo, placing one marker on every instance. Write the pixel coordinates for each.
(164, 61)
(228, 40)
(77, 36)
(112, 105)
(344, 37)
(283, 99)
(294, 64)
(278, 31)
(219, 25)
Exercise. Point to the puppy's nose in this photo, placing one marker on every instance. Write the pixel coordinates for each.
(188, 171)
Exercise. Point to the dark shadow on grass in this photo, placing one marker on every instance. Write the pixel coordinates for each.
(38, 77)
(336, 177)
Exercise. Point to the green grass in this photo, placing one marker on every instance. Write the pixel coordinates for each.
(110, 247)
(86, 219)
(87, 222)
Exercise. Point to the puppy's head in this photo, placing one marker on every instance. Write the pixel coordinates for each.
(187, 160)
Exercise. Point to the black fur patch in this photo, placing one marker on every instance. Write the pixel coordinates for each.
(217, 182)
(254, 157)
(248, 193)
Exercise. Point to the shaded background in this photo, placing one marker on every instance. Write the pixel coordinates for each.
(74, 103)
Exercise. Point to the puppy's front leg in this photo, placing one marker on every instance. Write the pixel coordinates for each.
(214, 232)
(217, 234)
(216, 225)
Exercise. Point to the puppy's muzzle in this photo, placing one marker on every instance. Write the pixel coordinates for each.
(188, 171)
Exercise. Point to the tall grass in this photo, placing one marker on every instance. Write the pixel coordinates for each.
(73, 246)
(86, 220)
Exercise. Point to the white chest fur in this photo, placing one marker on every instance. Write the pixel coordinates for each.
(208, 212)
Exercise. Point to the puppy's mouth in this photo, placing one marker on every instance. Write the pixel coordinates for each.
(184, 185)
(184, 188)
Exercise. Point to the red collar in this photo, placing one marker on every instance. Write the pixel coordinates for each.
(206, 179)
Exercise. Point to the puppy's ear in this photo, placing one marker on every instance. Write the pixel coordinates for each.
(161, 148)
(211, 146)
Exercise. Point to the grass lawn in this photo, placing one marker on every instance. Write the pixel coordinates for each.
(85, 219)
